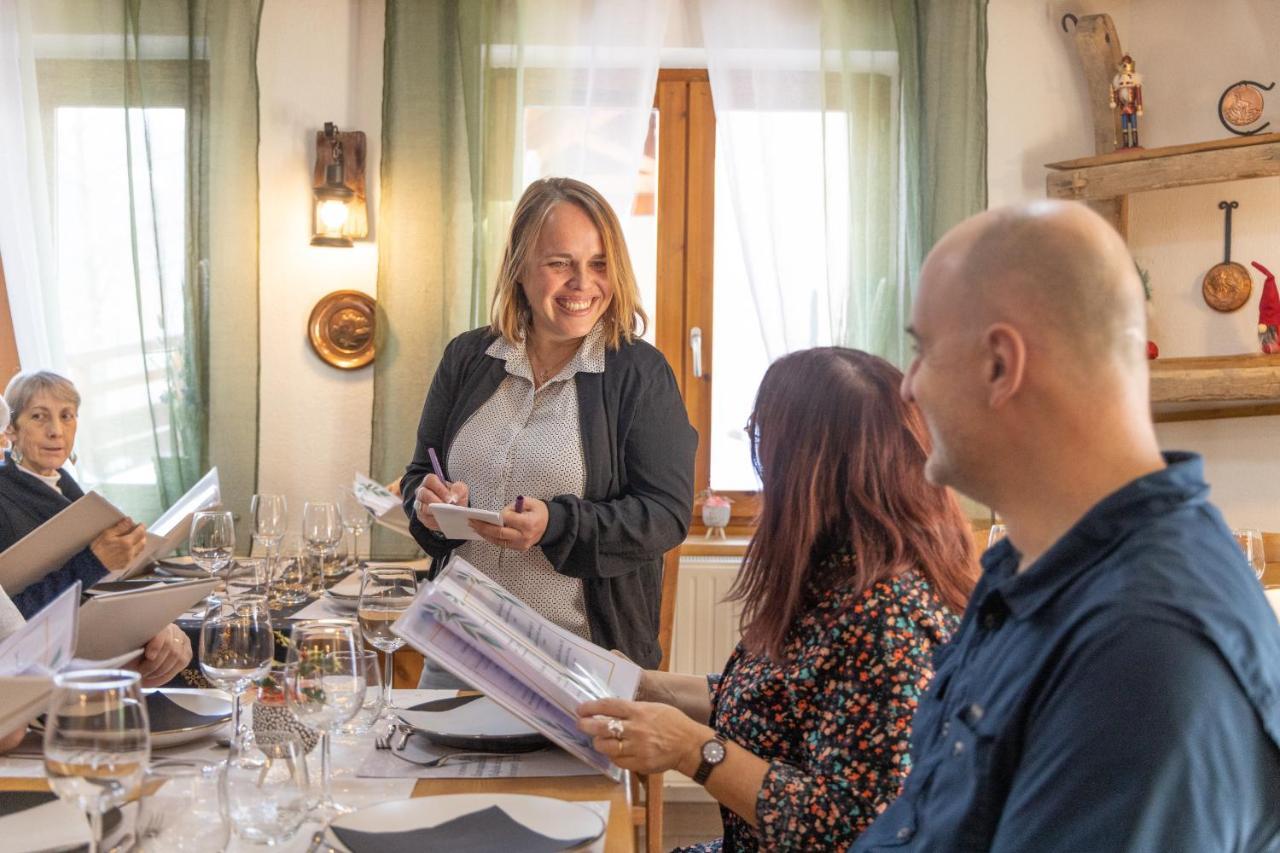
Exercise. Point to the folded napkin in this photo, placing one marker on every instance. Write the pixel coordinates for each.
(38, 820)
(167, 715)
(489, 831)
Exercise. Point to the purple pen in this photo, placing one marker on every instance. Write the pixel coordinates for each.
(435, 469)
(519, 503)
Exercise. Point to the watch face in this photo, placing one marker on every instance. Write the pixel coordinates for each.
(713, 752)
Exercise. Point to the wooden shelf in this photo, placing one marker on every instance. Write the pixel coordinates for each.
(1219, 386)
(1108, 176)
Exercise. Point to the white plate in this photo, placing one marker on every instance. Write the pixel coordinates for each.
(342, 602)
(204, 702)
(550, 817)
(479, 718)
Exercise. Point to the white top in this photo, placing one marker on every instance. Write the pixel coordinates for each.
(527, 442)
(51, 480)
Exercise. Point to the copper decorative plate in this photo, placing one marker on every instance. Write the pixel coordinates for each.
(341, 329)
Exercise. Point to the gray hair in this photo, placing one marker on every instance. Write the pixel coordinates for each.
(23, 388)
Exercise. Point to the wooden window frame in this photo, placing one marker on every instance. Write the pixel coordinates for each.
(686, 247)
(9, 363)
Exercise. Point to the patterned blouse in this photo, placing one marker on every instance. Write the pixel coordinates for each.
(834, 721)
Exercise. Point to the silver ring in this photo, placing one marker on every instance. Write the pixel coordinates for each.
(417, 506)
(615, 728)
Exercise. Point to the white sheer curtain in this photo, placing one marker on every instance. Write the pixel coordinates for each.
(25, 239)
(807, 194)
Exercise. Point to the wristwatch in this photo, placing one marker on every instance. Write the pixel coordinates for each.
(712, 754)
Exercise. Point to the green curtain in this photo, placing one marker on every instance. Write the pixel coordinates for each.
(148, 114)
(942, 57)
(433, 159)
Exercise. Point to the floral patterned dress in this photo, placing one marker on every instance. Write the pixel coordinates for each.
(834, 719)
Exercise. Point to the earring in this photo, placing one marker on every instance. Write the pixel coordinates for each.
(16, 454)
(72, 458)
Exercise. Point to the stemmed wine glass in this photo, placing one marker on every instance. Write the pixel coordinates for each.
(270, 519)
(324, 687)
(385, 593)
(236, 648)
(213, 542)
(355, 519)
(321, 529)
(97, 742)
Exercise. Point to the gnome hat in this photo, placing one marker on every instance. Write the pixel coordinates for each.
(1269, 305)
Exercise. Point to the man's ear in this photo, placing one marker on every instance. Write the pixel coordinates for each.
(1006, 362)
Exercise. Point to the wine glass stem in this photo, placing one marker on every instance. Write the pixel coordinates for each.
(388, 677)
(326, 795)
(235, 721)
(95, 830)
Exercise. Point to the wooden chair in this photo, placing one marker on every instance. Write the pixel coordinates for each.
(649, 814)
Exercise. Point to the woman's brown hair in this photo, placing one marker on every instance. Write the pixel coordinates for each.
(510, 314)
(841, 456)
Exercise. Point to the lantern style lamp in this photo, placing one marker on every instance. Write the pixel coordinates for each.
(333, 198)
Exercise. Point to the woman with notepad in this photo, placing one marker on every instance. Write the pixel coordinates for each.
(560, 419)
(41, 429)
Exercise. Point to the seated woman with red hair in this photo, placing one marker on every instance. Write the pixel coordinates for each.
(858, 571)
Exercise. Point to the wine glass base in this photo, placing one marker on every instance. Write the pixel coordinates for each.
(326, 810)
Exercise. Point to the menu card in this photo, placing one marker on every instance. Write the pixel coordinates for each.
(386, 508)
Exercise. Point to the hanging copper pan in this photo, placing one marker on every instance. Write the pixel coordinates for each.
(1227, 286)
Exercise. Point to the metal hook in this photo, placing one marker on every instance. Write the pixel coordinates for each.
(1074, 21)
(1228, 206)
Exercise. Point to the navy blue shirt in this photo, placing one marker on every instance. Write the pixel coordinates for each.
(1120, 694)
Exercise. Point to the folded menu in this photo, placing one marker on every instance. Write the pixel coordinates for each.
(31, 655)
(491, 830)
(117, 623)
(386, 508)
(538, 671)
(171, 529)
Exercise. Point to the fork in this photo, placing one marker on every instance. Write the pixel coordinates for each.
(439, 760)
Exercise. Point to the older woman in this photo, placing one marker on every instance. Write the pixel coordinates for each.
(858, 570)
(33, 488)
(558, 401)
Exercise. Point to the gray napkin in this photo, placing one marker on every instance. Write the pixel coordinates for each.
(488, 831)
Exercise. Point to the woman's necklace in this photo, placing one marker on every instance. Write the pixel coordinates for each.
(540, 374)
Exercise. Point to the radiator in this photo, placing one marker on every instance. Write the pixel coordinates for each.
(706, 626)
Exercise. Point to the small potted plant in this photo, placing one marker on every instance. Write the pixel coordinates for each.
(715, 512)
(273, 722)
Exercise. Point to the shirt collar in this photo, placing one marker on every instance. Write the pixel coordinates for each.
(1093, 536)
(588, 359)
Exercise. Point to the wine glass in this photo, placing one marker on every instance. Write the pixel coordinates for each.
(1250, 541)
(213, 541)
(182, 810)
(371, 709)
(236, 648)
(355, 519)
(270, 519)
(97, 742)
(324, 687)
(321, 526)
(292, 586)
(385, 593)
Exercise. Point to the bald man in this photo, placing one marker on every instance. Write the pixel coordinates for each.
(1115, 683)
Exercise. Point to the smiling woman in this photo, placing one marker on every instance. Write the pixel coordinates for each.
(558, 401)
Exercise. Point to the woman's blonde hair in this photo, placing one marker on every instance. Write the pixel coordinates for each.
(510, 314)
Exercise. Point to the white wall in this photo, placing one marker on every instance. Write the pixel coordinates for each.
(1038, 113)
(318, 61)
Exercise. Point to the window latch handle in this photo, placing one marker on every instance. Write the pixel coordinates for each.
(695, 344)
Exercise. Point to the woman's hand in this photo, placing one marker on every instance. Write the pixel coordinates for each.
(645, 737)
(435, 491)
(163, 657)
(118, 545)
(520, 530)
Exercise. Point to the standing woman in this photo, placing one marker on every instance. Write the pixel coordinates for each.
(558, 401)
(858, 571)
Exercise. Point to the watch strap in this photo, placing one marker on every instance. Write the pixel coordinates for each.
(705, 767)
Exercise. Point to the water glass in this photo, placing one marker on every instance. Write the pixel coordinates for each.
(183, 811)
(256, 572)
(270, 519)
(265, 791)
(236, 647)
(1250, 541)
(372, 708)
(385, 593)
(325, 687)
(97, 742)
(213, 541)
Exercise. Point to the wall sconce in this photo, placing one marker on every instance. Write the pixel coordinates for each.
(338, 209)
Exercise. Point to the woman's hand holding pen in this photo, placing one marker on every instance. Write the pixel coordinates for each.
(436, 490)
(524, 522)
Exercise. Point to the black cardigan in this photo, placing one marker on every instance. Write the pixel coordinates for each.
(25, 504)
(639, 450)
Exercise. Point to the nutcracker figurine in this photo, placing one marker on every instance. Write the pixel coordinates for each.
(1126, 93)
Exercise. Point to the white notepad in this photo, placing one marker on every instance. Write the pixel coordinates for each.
(453, 519)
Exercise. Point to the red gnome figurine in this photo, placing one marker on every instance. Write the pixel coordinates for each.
(1268, 312)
